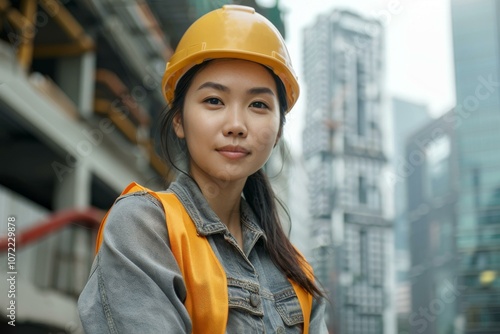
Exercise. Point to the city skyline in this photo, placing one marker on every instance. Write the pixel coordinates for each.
(418, 51)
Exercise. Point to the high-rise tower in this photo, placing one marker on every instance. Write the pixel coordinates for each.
(476, 41)
(345, 159)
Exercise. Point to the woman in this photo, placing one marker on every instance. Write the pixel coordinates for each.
(209, 254)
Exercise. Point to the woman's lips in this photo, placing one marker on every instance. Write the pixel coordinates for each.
(233, 152)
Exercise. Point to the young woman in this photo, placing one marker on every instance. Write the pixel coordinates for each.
(209, 255)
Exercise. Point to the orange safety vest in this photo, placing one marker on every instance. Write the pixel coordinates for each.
(204, 276)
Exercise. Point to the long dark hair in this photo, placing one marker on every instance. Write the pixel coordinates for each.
(257, 190)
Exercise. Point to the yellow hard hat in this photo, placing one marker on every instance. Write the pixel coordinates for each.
(232, 31)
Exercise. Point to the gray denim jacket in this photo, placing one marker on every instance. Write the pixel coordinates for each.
(135, 284)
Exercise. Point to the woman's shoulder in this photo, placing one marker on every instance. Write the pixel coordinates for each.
(136, 212)
(139, 199)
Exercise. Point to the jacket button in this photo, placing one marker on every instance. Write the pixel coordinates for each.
(280, 330)
(254, 300)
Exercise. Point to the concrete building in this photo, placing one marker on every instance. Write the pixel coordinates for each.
(432, 190)
(406, 118)
(476, 44)
(344, 150)
(299, 206)
(79, 105)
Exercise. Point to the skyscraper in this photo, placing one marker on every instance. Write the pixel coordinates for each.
(345, 159)
(406, 118)
(477, 120)
(430, 173)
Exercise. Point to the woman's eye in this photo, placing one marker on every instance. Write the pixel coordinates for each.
(213, 100)
(260, 105)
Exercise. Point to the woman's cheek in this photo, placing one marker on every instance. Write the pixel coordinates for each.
(266, 138)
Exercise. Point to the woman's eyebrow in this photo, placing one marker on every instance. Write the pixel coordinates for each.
(222, 88)
(260, 90)
(214, 85)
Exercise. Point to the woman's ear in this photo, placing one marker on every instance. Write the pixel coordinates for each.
(178, 127)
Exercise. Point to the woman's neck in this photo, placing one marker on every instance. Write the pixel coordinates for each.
(224, 197)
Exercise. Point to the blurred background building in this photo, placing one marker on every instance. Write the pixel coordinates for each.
(298, 205)
(406, 118)
(431, 185)
(477, 119)
(453, 177)
(344, 151)
(80, 100)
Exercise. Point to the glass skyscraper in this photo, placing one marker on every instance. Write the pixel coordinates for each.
(431, 183)
(406, 118)
(476, 37)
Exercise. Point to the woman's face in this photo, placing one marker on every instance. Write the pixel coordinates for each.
(230, 120)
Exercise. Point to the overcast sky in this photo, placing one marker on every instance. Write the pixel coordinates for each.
(418, 54)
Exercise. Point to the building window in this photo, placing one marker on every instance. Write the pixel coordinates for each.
(438, 167)
(363, 251)
(70, 260)
(361, 100)
(362, 190)
(361, 116)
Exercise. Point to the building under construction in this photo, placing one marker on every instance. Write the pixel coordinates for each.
(80, 100)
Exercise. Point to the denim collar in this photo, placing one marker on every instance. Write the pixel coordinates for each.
(204, 218)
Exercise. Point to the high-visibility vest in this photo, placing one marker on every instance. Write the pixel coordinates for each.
(204, 277)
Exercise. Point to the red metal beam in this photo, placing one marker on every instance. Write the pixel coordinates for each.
(90, 217)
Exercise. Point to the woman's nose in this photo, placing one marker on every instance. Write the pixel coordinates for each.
(235, 124)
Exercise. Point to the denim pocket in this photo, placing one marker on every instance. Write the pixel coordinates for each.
(288, 306)
(244, 295)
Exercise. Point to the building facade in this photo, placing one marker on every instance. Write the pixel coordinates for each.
(406, 118)
(344, 151)
(477, 70)
(80, 98)
(431, 184)
(299, 205)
